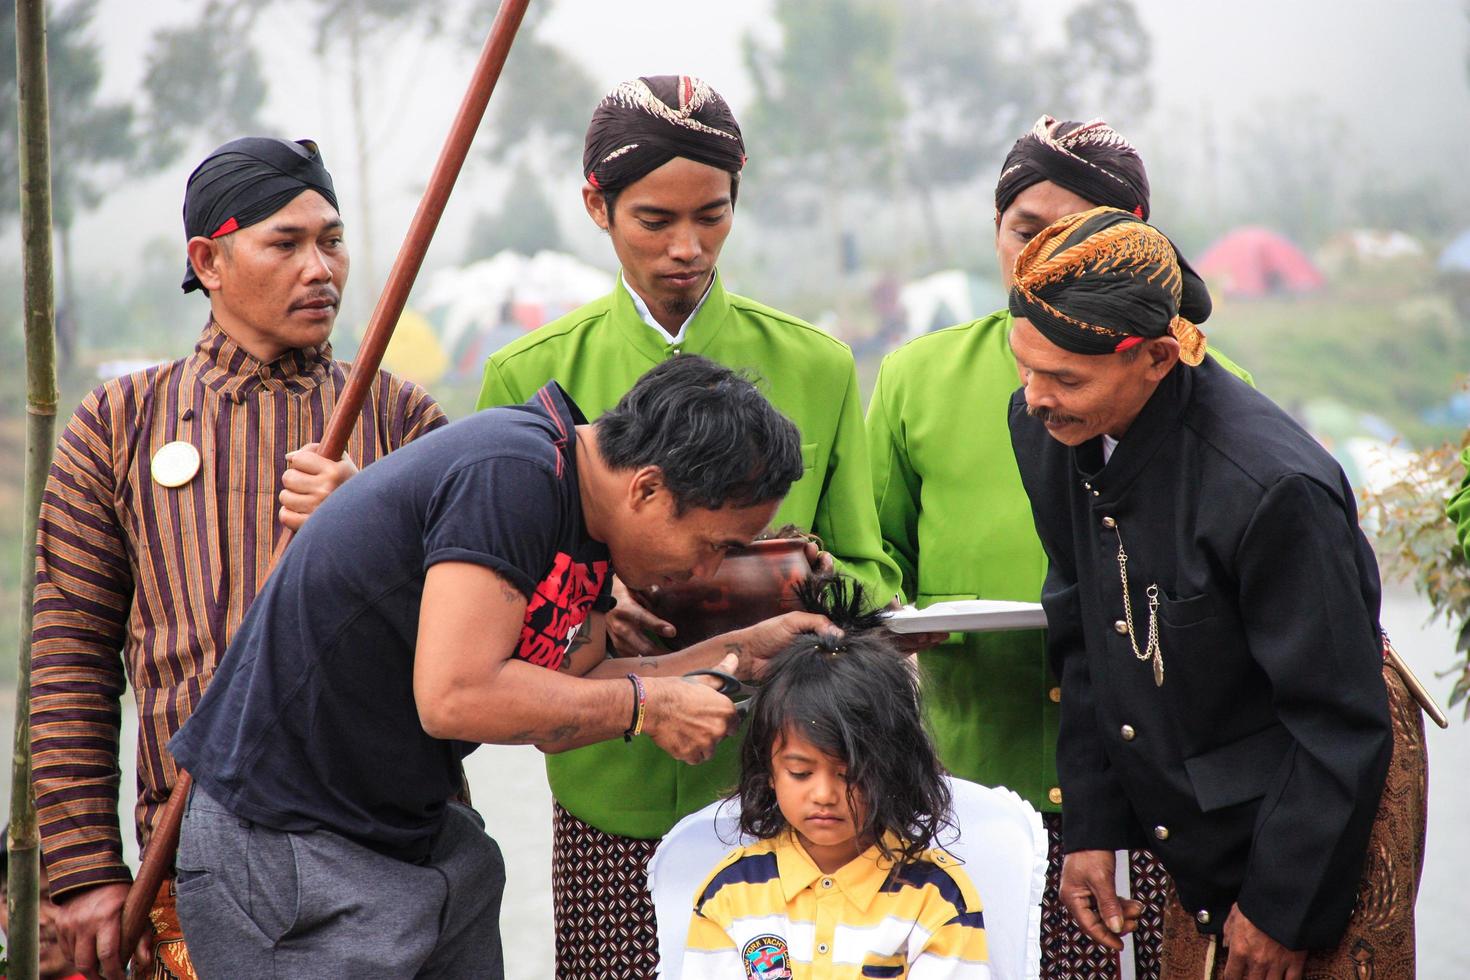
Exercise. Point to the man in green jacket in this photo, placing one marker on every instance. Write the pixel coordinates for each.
(662, 161)
(957, 521)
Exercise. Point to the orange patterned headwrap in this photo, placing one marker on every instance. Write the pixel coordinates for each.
(1102, 281)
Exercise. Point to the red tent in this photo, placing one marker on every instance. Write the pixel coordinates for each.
(1254, 262)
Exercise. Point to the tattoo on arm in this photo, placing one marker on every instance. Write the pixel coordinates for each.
(510, 593)
(583, 637)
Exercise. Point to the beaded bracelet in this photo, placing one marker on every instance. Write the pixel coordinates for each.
(640, 703)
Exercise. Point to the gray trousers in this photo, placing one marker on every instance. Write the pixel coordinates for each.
(260, 903)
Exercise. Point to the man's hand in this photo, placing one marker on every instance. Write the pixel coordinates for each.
(821, 561)
(687, 717)
(629, 623)
(755, 645)
(1255, 955)
(89, 927)
(914, 642)
(1089, 893)
(308, 479)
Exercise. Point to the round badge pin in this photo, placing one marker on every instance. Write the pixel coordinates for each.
(175, 464)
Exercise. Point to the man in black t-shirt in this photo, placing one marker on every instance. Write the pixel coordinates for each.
(451, 595)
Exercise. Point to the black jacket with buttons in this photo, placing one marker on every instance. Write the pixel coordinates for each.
(1255, 770)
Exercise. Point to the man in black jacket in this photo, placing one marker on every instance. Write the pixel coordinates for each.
(1213, 617)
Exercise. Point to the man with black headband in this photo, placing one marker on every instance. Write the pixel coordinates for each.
(165, 500)
(935, 423)
(662, 164)
(1213, 617)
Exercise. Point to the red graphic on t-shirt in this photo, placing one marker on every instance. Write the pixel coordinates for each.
(558, 607)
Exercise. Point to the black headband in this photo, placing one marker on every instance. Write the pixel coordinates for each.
(1089, 159)
(643, 124)
(246, 181)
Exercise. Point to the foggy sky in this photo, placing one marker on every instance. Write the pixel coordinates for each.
(1395, 70)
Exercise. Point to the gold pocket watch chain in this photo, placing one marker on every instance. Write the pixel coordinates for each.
(1151, 650)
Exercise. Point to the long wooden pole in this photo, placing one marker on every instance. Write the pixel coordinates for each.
(41, 398)
(164, 842)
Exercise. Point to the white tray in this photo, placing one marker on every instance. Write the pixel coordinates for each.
(968, 616)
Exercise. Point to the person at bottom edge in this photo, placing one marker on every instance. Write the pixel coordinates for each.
(456, 595)
(842, 787)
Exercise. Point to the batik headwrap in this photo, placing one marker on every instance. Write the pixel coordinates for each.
(643, 124)
(246, 181)
(1102, 281)
(1089, 159)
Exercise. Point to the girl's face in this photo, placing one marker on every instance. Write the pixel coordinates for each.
(811, 790)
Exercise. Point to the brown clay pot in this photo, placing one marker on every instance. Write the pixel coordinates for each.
(753, 584)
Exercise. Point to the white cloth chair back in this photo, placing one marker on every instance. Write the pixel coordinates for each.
(998, 836)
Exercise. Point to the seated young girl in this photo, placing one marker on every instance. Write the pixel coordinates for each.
(841, 785)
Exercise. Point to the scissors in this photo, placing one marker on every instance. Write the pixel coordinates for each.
(731, 687)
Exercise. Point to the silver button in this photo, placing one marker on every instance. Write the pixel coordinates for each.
(821, 947)
(1120, 627)
(1127, 732)
(1202, 917)
(1161, 832)
(1086, 485)
(1109, 523)
(1096, 493)
(826, 882)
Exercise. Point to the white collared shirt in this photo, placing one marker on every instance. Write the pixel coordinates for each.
(1109, 444)
(658, 328)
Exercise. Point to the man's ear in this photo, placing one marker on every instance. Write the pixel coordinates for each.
(206, 255)
(645, 487)
(1162, 354)
(596, 204)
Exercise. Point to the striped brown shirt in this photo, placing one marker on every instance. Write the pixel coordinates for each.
(140, 584)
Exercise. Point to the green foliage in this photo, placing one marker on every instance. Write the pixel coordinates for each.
(201, 79)
(91, 141)
(1415, 542)
(828, 102)
(1394, 349)
(967, 87)
(525, 222)
(1107, 51)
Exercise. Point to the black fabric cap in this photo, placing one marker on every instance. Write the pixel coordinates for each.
(1089, 159)
(246, 181)
(643, 124)
(1093, 282)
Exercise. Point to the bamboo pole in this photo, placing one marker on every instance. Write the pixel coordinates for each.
(41, 398)
(162, 846)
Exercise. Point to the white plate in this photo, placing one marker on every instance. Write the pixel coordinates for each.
(968, 616)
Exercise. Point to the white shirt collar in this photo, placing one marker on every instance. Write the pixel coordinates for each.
(653, 324)
(1109, 444)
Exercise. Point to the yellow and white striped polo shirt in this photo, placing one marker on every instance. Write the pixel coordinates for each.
(767, 912)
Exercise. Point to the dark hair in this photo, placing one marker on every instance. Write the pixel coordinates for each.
(857, 699)
(716, 438)
(610, 195)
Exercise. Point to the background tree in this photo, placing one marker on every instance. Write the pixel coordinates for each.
(92, 141)
(1103, 65)
(525, 222)
(200, 80)
(826, 111)
(543, 99)
(968, 92)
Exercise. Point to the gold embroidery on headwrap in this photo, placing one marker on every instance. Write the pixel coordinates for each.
(1057, 253)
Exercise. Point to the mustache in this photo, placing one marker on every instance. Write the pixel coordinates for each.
(328, 293)
(1051, 417)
